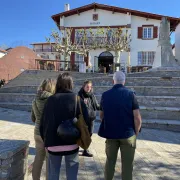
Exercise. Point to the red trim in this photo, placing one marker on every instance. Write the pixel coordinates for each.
(94, 27)
(72, 58)
(173, 21)
(86, 59)
(148, 25)
(42, 43)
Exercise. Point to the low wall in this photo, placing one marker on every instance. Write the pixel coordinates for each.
(13, 159)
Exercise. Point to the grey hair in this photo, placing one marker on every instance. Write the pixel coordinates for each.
(119, 77)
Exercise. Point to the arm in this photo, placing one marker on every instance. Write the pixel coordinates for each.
(137, 115)
(33, 118)
(101, 114)
(96, 104)
(85, 114)
(137, 121)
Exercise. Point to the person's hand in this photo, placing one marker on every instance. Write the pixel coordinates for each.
(85, 101)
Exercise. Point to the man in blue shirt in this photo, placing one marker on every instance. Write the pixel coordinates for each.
(121, 123)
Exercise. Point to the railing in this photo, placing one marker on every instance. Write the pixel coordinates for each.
(97, 40)
(45, 50)
(57, 65)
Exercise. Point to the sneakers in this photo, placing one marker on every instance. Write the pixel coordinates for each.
(87, 153)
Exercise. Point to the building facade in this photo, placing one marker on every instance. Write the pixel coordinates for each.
(48, 57)
(143, 27)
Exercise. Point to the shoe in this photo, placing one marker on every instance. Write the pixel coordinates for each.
(87, 153)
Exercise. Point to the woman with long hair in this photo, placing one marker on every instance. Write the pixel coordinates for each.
(60, 107)
(45, 90)
(87, 95)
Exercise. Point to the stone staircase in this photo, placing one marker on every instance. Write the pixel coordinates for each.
(158, 96)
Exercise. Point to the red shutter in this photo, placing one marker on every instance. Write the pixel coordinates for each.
(72, 58)
(155, 32)
(140, 32)
(73, 35)
(86, 59)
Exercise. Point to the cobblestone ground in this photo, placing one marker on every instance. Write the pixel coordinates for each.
(157, 155)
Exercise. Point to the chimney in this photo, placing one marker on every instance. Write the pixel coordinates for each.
(67, 7)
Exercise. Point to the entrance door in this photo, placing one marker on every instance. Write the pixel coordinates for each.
(105, 60)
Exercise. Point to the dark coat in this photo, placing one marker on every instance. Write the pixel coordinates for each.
(59, 107)
(92, 104)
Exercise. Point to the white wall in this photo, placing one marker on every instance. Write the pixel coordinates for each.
(139, 44)
(104, 19)
(2, 54)
(177, 42)
(107, 18)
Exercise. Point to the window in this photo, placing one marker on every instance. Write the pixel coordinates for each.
(146, 58)
(79, 57)
(147, 32)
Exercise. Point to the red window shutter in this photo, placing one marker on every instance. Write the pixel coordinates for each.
(140, 32)
(155, 32)
(72, 58)
(86, 59)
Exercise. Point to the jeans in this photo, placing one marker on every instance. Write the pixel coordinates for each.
(127, 149)
(54, 166)
(39, 158)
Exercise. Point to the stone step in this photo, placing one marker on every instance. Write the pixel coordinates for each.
(16, 97)
(34, 77)
(16, 106)
(170, 125)
(150, 101)
(140, 90)
(160, 73)
(165, 113)
(135, 81)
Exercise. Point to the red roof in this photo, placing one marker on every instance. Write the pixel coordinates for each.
(18, 58)
(173, 20)
(2, 50)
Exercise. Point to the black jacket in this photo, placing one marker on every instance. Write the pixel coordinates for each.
(58, 108)
(92, 104)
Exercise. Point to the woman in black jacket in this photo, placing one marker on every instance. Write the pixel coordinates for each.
(59, 108)
(86, 94)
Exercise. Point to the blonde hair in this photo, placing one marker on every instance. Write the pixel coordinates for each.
(47, 85)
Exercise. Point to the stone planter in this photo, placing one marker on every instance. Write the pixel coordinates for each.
(13, 159)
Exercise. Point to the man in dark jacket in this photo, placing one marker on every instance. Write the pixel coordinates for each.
(121, 123)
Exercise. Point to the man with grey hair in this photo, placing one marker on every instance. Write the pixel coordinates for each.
(121, 123)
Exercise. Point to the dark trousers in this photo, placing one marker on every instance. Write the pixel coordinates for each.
(54, 166)
(127, 149)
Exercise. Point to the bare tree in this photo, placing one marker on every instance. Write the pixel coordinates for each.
(111, 39)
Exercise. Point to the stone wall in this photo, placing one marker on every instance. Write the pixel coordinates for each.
(13, 159)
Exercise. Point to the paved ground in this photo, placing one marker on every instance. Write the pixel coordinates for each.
(157, 155)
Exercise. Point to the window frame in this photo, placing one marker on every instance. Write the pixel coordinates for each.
(146, 28)
(147, 57)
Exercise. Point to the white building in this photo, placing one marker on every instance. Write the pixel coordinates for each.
(2, 53)
(49, 55)
(144, 29)
(45, 51)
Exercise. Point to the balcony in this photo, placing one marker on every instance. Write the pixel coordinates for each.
(45, 50)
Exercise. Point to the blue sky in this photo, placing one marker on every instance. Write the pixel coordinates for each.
(23, 22)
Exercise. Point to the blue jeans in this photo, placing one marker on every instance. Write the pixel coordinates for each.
(54, 166)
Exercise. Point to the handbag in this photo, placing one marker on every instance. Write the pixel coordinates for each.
(67, 130)
(85, 139)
